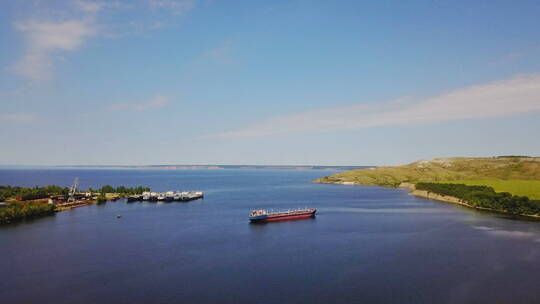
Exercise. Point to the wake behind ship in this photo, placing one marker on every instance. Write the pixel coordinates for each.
(263, 216)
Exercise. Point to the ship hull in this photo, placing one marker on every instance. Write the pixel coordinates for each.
(280, 218)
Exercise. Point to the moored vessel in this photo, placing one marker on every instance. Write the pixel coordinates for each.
(134, 198)
(263, 216)
(166, 196)
(146, 196)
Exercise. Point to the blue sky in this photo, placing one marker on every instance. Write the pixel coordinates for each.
(267, 82)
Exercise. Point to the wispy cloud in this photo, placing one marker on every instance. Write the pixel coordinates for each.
(156, 102)
(221, 54)
(90, 6)
(517, 56)
(178, 7)
(45, 39)
(97, 6)
(49, 33)
(17, 117)
(508, 97)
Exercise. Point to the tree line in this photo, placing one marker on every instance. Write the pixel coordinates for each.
(26, 210)
(120, 189)
(16, 211)
(485, 197)
(31, 193)
(24, 193)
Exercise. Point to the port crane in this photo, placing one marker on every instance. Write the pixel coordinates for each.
(73, 189)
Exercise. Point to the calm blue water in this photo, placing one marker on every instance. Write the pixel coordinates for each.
(367, 245)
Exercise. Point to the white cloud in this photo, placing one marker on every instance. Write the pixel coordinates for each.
(89, 6)
(509, 97)
(52, 31)
(17, 117)
(43, 40)
(220, 54)
(157, 102)
(66, 35)
(96, 6)
(177, 7)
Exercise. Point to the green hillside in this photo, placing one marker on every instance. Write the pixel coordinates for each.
(496, 170)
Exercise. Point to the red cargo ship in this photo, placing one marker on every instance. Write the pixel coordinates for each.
(263, 216)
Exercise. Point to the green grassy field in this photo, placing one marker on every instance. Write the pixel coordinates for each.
(503, 170)
(529, 188)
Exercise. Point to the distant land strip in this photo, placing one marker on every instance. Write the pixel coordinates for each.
(218, 167)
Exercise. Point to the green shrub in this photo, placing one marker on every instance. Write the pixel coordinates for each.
(123, 190)
(20, 211)
(30, 193)
(485, 197)
(101, 199)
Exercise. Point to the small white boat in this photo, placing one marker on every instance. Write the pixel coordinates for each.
(146, 196)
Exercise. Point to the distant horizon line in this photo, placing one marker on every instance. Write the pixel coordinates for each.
(224, 166)
(188, 167)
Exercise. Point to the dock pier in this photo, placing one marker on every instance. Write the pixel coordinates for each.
(168, 196)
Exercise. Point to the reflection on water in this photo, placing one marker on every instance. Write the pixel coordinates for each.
(502, 232)
(387, 210)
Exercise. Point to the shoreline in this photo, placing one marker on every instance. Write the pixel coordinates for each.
(454, 200)
(434, 196)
